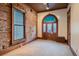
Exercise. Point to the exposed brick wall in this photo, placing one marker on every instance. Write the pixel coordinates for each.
(6, 23)
(30, 20)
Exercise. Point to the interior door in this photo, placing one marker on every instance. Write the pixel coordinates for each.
(50, 26)
(68, 28)
(44, 34)
(50, 31)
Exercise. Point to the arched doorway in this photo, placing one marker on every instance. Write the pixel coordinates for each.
(50, 27)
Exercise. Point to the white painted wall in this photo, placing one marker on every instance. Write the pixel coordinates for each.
(75, 27)
(62, 21)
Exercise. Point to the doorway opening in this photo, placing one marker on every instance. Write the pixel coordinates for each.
(50, 27)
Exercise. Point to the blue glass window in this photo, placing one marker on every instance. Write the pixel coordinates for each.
(49, 28)
(54, 27)
(18, 24)
(44, 27)
(50, 24)
(49, 18)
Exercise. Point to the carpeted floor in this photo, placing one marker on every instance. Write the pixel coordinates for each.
(42, 48)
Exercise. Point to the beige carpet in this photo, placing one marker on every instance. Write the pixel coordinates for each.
(42, 48)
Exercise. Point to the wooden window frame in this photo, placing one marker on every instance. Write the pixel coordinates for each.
(50, 23)
(14, 42)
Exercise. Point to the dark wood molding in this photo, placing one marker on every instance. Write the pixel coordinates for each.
(39, 38)
(58, 39)
(4, 51)
(52, 10)
(69, 10)
(61, 39)
(40, 7)
(69, 26)
(36, 25)
(72, 51)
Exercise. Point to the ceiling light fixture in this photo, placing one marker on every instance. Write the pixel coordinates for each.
(46, 5)
(47, 8)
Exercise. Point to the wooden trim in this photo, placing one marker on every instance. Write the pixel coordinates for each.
(4, 51)
(21, 40)
(59, 39)
(69, 26)
(46, 24)
(69, 10)
(36, 25)
(73, 52)
(52, 10)
(11, 27)
(39, 38)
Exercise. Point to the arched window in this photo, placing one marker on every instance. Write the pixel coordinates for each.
(50, 24)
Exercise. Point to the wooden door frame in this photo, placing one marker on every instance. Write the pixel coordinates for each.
(46, 27)
(69, 29)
